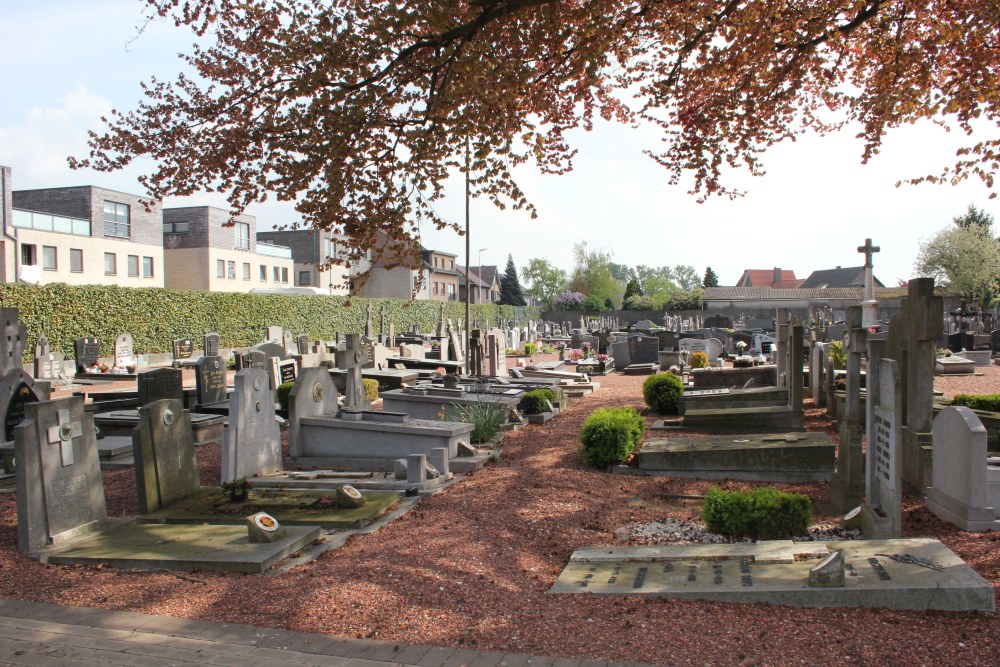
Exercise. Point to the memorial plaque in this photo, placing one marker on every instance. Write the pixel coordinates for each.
(211, 345)
(88, 351)
(124, 350)
(183, 348)
(644, 350)
(210, 380)
(693, 345)
(302, 344)
(50, 366)
(160, 383)
(286, 371)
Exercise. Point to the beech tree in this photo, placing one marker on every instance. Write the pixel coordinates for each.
(358, 110)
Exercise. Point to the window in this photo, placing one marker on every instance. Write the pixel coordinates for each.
(220, 268)
(147, 267)
(263, 273)
(133, 265)
(435, 289)
(451, 264)
(277, 274)
(176, 227)
(242, 235)
(76, 260)
(110, 264)
(117, 221)
(451, 292)
(304, 277)
(284, 275)
(416, 282)
(246, 270)
(231, 270)
(29, 254)
(49, 258)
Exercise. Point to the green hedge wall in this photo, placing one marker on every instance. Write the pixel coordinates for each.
(155, 317)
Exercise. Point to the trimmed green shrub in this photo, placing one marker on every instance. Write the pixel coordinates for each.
(985, 402)
(283, 390)
(155, 316)
(698, 360)
(533, 402)
(836, 351)
(530, 349)
(764, 513)
(487, 419)
(371, 389)
(610, 435)
(662, 392)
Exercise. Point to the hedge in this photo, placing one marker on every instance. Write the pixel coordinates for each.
(155, 316)
(764, 513)
(984, 402)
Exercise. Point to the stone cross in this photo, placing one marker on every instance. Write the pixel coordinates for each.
(352, 359)
(868, 249)
(13, 338)
(62, 434)
(369, 327)
(870, 306)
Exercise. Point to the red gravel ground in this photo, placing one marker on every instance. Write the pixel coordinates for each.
(471, 568)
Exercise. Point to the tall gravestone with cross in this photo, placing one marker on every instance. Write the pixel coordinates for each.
(881, 515)
(847, 486)
(314, 395)
(60, 492)
(922, 328)
(47, 364)
(352, 359)
(869, 305)
(17, 388)
(369, 325)
(251, 442)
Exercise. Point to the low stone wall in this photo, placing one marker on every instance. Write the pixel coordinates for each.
(712, 378)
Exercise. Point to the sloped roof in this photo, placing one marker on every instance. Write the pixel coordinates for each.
(473, 279)
(850, 276)
(769, 294)
(489, 274)
(765, 278)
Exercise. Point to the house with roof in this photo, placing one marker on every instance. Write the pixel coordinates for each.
(852, 276)
(311, 250)
(775, 278)
(79, 235)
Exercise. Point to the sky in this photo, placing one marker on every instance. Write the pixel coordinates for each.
(75, 61)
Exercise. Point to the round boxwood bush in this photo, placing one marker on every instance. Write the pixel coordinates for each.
(534, 402)
(282, 391)
(662, 392)
(698, 360)
(610, 435)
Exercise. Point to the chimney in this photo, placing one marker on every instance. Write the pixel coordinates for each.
(777, 276)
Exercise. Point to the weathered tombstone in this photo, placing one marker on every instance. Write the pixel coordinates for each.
(60, 492)
(847, 486)
(51, 366)
(455, 349)
(369, 326)
(314, 395)
(87, 352)
(287, 342)
(251, 442)
(881, 515)
(352, 360)
(165, 466)
(275, 335)
(497, 351)
(643, 350)
(160, 383)
(41, 352)
(125, 351)
(817, 371)
(183, 348)
(966, 490)
(476, 352)
(211, 345)
(622, 355)
(692, 345)
(922, 329)
(17, 390)
(210, 380)
(302, 344)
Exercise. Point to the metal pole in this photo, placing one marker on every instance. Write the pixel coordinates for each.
(468, 254)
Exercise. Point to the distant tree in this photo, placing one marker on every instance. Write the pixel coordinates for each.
(511, 293)
(710, 279)
(593, 303)
(621, 272)
(974, 217)
(686, 277)
(545, 280)
(965, 260)
(609, 304)
(632, 289)
(592, 274)
(638, 302)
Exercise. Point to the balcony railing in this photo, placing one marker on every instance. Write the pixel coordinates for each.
(270, 250)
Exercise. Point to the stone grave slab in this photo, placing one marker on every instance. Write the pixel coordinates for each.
(296, 508)
(643, 350)
(785, 457)
(183, 547)
(205, 428)
(913, 574)
(160, 383)
(954, 365)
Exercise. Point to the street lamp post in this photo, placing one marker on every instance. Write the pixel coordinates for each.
(479, 273)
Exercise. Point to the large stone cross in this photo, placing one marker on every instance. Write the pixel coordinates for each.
(868, 249)
(62, 434)
(351, 360)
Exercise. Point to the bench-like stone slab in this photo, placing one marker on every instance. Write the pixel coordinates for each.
(707, 572)
(730, 420)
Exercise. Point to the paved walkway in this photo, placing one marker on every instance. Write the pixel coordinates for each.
(35, 633)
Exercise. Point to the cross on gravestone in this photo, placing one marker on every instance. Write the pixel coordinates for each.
(13, 339)
(251, 442)
(369, 327)
(211, 345)
(868, 250)
(352, 359)
(41, 347)
(60, 491)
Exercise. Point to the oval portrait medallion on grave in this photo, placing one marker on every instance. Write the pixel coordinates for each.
(265, 521)
(257, 384)
(318, 392)
(168, 417)
(65, 432)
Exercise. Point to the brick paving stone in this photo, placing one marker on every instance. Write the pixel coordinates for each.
(388, 652)
(11, 657)
(361, 662)
(488, 659)
(412, 653)
(461, 656)
(566, 662)
(435, 657)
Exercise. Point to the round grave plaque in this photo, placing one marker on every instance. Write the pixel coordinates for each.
(257, 384)
(265, 522)
(318, 392)
(168, 417)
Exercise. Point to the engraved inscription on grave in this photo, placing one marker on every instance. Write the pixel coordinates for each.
(883, 445)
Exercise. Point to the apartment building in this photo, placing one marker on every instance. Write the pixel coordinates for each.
(80, 235)
(202, 252)
(311, 249)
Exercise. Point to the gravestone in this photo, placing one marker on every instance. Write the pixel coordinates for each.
(60, 491)
(160, 383)
(211, 345)
(314, 395)
(881, 515)
(125, 351)
(369, 326)
(476, 352)
(51, 366)
(643, 350)
(280, 371)
(817, 371)
(163, 446)
(966, 489)
(17, 388)
(251, 442)
(183, 348)
(995, 341)
(620, 350)
(692, 345)
(848, 485)
(352, 359)
(302, 344)
(921, 319)
(497, 354)
(287, 342)
(275, 335)
(455, 350)
(742, 337)
(210, 380)
(87, 351)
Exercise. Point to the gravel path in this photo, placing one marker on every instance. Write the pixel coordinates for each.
(471, 567)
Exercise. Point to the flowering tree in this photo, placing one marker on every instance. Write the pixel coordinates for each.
(358, 110)
(567, 300)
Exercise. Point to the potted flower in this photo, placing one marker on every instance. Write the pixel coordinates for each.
(238, 489)
(601, 364)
